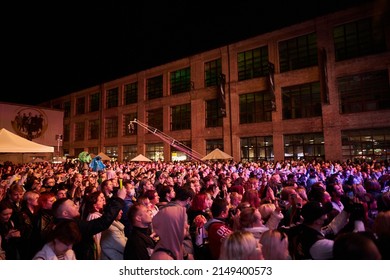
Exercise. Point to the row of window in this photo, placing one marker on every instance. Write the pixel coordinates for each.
(300, 101)
(366, 144)
(354, 39)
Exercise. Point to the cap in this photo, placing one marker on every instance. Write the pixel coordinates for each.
(314, 210)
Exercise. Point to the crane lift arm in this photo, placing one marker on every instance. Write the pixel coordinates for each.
(167, 139)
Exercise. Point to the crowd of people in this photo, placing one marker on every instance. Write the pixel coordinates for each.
(195, 211)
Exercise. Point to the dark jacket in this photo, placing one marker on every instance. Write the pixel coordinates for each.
(139, 245)
(85, 249)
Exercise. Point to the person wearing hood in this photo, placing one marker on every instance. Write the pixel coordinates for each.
(171, 226)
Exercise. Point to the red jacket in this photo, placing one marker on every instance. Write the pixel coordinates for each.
(217, 231)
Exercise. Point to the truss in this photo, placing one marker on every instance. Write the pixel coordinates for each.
(167, 139)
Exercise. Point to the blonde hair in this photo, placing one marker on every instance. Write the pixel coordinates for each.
(240, 245)
(274, 245)
(266, 210)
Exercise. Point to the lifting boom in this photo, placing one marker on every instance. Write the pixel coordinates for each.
(167, 139)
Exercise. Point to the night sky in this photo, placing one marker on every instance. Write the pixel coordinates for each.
(54, 49)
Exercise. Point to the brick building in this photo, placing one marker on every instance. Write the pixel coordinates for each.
(317, 89)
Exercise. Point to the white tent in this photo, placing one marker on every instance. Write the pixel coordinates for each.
(12, 143)
(217, 154)
(104, 157)
(140, 157)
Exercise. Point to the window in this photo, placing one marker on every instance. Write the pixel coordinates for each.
(93, 129)
(111, 151)
(298, 53)
(66, 132)
(112, 98)
(366, 144)
(67, 109)
(93, 150)
(80, 106)
(359, 38)
(131, 93)
(257, 148)
(94, 102)
(213, 114)
(255, 107)
(155, 151)
(155, 118)
(129, 152)
(304, 146)
(212, 70)
(302, 101)
(253, 63)
(79, 131)
(181, 81)
(364, 92)
(111, 127)
(126, 121)
(213, 144)
(181, 117)
(155, 87)
(77, 151)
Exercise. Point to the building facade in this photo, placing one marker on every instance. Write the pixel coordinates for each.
(37, 124)
(315, 90)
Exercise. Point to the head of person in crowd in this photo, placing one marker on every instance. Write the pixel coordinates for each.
(274, 245)
(184, 196)
(46, 200)
(201, 202)
(266, 210)
(139, 215)
(30, 201)
(167, 193)
(65, 234)
(107, 188)
(355, 246)
(61, 191)
(130, 189)
(95, 202)
(252, 197)
(240, 245)
(65, 208)
(381, 225)
(6, 210)
(318, 193)
(314, 213)
(15, 193)
(171, 234)
(250, 217)
(49, 183)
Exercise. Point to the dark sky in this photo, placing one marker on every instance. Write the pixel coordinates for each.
(56, 48)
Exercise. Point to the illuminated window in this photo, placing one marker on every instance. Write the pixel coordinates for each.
(181, 81)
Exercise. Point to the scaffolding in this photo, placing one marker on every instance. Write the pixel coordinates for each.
(167, 139)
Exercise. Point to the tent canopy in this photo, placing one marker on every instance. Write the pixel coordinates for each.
(140, 157)
(12, 143)
(103, 156)
(217, 154)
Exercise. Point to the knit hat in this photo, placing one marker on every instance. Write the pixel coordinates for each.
(314, 210)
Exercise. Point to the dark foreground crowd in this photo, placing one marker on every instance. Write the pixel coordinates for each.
(188, 210)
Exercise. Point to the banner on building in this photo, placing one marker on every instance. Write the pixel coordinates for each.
(271, 84)
(323, 69)
(222, 94)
